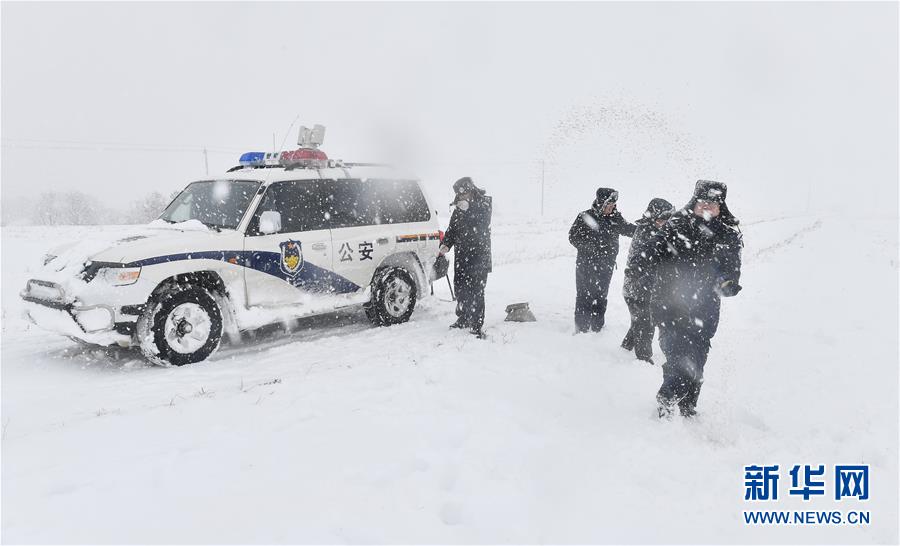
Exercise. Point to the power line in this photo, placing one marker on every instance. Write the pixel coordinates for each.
(111, 146)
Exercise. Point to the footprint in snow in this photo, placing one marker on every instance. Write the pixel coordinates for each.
(448, 479)
(451, 513)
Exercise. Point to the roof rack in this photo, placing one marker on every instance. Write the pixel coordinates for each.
(327, 164)
(307, 156)
(346, 164)
(242, 167)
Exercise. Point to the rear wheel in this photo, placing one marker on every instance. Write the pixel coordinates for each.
(393, 297)
(181, 326)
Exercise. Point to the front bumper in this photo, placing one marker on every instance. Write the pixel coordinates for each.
(48, 307)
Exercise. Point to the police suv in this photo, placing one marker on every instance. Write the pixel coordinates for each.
(281, 236)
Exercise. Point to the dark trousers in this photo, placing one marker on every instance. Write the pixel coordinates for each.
(686, 349)
(640, 334)
(591, 289)
(469, 288)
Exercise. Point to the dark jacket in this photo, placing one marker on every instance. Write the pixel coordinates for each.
(470, 232)
(689, 259)
(637, 285)
(596, 236)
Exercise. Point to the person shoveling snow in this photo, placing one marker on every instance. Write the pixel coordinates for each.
(470, 232)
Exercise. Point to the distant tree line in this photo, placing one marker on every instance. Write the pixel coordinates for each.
(77, 208)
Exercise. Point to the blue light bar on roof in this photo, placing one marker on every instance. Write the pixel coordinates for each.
(253, 159)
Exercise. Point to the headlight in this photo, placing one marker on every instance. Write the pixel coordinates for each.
(120, 276)
(48, 258)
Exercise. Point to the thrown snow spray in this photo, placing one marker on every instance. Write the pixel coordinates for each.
(616, 143)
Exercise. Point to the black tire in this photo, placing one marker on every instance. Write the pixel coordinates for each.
(388, 306)
(152, 327)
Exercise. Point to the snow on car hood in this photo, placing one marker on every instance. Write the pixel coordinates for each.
(129, 244)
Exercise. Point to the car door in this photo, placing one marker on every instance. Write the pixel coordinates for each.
(293, 264)
(359, 243)
(403, 210)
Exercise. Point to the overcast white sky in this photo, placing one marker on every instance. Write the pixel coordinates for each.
(793, 105)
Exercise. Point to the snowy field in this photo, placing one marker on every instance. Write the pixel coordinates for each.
(338, 432)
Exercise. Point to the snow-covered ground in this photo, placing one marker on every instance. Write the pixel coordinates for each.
(341, 432)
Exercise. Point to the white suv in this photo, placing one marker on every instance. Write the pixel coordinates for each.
(258, 245)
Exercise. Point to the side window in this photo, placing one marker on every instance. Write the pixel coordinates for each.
(182, 211)
(346, 203)
(302, 205)
(399, 201)
(308, 205)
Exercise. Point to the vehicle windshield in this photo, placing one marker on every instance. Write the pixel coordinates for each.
(217, 203)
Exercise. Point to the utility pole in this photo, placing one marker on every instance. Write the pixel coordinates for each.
(543, 162)
(206, 160)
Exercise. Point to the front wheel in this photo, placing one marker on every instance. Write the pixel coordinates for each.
(180, 327)
(393, 297)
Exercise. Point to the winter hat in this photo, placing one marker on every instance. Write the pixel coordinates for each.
(605, 196)
(463, 185)
(709, 190)
(657, 208)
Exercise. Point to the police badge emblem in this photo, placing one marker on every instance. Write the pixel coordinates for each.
(291, 257)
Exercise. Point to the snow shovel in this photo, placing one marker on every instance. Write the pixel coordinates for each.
(441, 268)
(450, 286)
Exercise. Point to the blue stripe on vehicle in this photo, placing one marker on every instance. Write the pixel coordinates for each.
(310, 277)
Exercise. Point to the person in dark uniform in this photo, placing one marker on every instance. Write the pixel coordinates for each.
(470, 232)
(695, 260)
(595, 233)
(636, 287)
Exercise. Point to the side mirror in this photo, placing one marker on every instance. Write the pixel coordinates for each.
(270, 222)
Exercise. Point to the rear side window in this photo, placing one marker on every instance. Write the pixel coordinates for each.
(352, 202)
(398, 201)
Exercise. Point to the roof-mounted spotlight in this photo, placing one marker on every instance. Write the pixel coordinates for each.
(311, 138)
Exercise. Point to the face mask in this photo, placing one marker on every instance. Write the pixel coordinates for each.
(463, 205)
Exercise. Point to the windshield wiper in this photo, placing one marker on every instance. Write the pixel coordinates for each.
(217, 227)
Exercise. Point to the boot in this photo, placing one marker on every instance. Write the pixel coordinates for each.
(688, 404)
(628, 342)
(665, 411)
(666, 408)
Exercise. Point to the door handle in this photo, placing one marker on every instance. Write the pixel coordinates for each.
(382, 240)
(318, 246)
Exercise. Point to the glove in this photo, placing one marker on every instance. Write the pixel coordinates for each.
(443, 250)
(728, 288)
